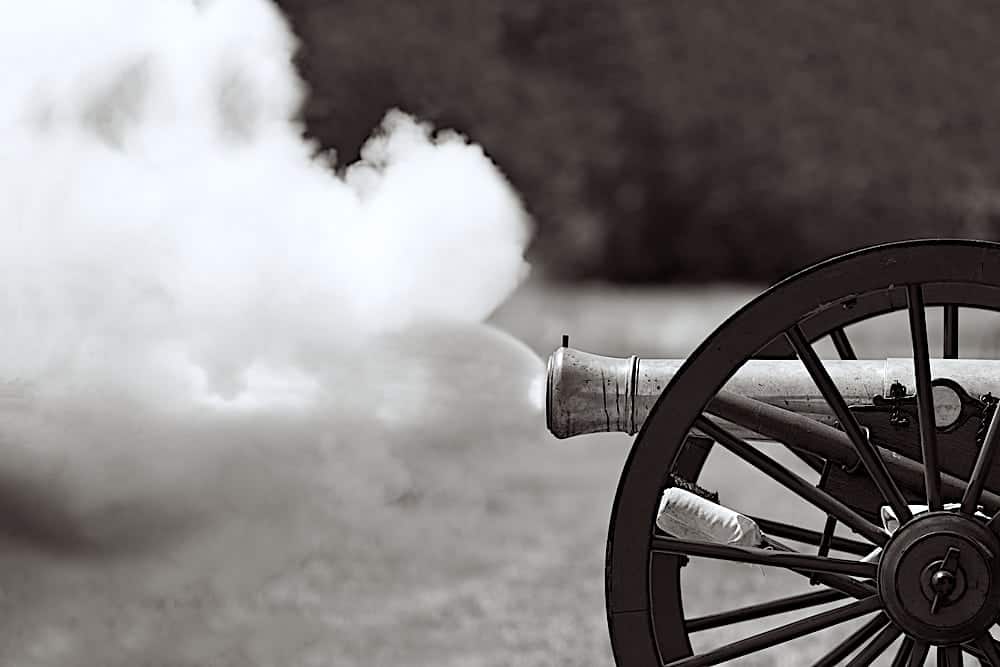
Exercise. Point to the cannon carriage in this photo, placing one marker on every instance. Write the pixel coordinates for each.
(897, 458)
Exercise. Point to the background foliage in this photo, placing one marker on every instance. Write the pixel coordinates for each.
(686, 140)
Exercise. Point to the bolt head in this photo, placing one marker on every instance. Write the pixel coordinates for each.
(943, 582)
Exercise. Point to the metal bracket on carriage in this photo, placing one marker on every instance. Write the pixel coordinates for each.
(892, 422)
(897, 397)
(953, 406)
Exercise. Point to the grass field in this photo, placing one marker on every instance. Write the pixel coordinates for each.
(505, 564)
(442, 526)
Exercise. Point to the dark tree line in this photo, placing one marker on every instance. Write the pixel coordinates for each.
(686, 140)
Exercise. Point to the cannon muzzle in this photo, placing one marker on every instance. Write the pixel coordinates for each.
(589, 393)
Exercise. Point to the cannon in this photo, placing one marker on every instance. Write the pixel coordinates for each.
(893, 460)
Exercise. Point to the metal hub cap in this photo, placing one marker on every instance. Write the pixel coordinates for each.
(935, 578)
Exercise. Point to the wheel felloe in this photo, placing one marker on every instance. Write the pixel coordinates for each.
(936, 578)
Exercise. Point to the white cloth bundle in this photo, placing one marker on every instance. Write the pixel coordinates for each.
(688, 516)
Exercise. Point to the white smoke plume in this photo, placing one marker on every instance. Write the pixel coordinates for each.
(221, 355)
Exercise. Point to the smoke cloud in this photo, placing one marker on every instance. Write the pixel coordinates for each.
(222, 356)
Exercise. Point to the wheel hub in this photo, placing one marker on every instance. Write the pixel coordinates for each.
(936, 578)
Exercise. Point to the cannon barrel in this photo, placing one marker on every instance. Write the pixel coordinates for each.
(589, 393)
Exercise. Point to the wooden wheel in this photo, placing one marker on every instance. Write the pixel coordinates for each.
(932, 590)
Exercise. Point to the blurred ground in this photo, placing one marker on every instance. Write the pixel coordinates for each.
(506, 565)
(472, 539)
(617, 319)
(458, 533)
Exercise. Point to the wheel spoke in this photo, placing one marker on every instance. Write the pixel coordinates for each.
(851, 644)
(757, 556)
(988, 646)
(830, 525)
(805, 536)
(951, 331)
(902, 658)
(949, 656)
(846, 352)
(865, 449)
(780, 635)
(842, 345)
(970, 499)
(925, 396)
(876, 647)
(918, 654)
(827, 538)
(762, 610)
(793, 482)
(846, 585)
